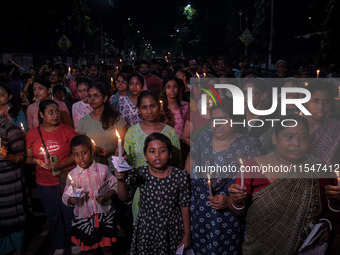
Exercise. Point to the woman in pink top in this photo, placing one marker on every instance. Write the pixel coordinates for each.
(174, 108)
(42, 91)
(82, 107)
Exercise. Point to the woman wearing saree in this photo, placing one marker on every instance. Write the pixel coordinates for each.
(281, 208)
(324, 130)
(214, 228)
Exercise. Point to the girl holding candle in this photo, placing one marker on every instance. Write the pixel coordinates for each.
(163, 223)
(217, 146)
(10, 108)
(57, 137)
(290, 205)
(101, 124)
(149, 109)
(94, 224)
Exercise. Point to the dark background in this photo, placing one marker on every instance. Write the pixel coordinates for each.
(102, 27)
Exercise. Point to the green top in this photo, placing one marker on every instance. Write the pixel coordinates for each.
(105, 139)
(134, 144)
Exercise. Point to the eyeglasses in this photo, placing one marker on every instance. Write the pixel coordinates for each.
(95, 96)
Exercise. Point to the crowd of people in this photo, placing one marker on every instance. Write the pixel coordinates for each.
(63, 124)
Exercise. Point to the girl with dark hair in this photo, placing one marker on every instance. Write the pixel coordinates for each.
(123, 90)
(174, 108)
(10, 108)
(165, 195)
(42, 91)
(82, 107)
(127, 106)
(48, 147)
(101, 123)
(149, 110)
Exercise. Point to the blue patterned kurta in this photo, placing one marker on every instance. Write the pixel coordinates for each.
(217, 232)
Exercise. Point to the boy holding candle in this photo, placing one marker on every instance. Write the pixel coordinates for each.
(94, 224)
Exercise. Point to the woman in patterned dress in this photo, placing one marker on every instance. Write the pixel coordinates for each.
(215, 229)
(127, 106)
(149, 108)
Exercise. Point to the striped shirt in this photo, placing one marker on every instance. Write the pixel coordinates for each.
(90, 180)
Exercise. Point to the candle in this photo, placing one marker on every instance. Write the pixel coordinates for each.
(72, 183)
(209, 184)
(204, 75)
(317, 73)
(242, 173)
(338, 177)
(44, 153)
(93, 143)
(161, 103)
(111, 81)
(306, 84)
(199, 78)
(120, 60)
(120, 148)
(22, 127)
(69, 70)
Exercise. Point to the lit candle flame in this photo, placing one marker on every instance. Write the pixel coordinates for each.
(120, 60)
(69, 176)
(160, 101)
(22, 127)
(69, 69)
(318, 72)
(94, 144)
(306, 84)
(241, 161)
(117, 134)
(204, 75)
(42, 150)
(300, 113)
(197, 75)
(208, 175)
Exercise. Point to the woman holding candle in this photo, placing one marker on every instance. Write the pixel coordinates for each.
(53, 139)
(13, 199)
(42, 91)
(101, 123)
(127, 106)
(149, 109)
(10, 108)
(281, 207)
(214, 228)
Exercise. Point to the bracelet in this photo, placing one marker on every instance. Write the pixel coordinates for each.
(237, 208)
(329, 223)
(329, 206)
(17, 159)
